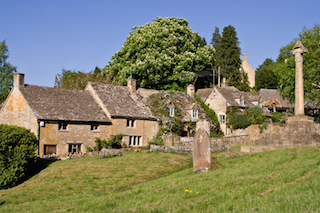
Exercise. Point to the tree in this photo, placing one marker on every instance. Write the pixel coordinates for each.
(265, 77)
(6, 72)
(240, 80)
(78, 80)
(163, 54)
(216, 39)
(229, 52)
(285, 66)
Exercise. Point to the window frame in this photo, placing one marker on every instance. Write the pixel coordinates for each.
(62, 126)
(222, 118)
(195, 113)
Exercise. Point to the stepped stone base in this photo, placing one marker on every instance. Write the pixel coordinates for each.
(298, 131)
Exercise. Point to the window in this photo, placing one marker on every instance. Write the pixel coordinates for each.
(260, 104)
(130, 123)
(74, 148)
(94, 127)
(170, 111)
(62, 126)
(241, 102)
(134, 140)
(49, 149)
(195, 113)
(222, 119)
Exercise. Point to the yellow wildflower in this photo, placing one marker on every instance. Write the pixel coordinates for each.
(186, 190)
(190, 191)
(197, 193)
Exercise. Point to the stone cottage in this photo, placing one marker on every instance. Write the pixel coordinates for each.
(220, 98)
(67, 121)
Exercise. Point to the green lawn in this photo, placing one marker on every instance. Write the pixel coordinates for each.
(276, 181)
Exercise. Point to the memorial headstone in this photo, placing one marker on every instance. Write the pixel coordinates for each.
(201, 148)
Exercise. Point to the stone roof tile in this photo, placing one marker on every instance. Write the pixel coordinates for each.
(61, 104)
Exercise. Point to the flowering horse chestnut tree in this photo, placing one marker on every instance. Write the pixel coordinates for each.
(163, 54)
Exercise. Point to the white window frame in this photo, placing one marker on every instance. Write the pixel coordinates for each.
(170, 111)
(222, 118)
(195, 113)
(134, 140)
(130, 123)
(241, 102)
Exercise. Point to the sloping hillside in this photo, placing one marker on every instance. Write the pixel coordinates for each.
(277, 181)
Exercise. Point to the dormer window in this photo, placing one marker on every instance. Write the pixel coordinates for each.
(170, 110)
(62, 126)
(260, 102)
(242, 100)
(195, 113)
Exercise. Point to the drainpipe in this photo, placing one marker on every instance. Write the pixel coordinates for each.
(38, 137)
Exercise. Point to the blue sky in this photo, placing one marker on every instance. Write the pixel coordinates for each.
(45, 36)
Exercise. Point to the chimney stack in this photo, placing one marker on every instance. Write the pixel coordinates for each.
(224, 83)
(18, 79)
(244, 57)
(132, 84)
(190, 90)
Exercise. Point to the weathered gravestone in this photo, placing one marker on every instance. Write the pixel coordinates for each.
(201, 148)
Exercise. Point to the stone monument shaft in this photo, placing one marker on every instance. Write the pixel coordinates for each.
(298, 50)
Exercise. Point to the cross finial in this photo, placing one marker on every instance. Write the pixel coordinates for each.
(298, 47)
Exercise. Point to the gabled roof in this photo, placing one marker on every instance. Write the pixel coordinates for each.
(121, 103)
(266, 94)
(49, 103)
(204, 93)
(231, 94)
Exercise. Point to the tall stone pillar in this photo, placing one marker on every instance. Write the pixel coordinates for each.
(297, 51)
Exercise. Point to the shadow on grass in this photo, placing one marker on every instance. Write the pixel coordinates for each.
(36, 168)
(2, 202)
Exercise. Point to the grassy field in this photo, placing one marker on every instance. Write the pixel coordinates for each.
(276, 181)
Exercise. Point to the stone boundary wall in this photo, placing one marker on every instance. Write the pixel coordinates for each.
(102, 153)
(230, 140)
(185, 149)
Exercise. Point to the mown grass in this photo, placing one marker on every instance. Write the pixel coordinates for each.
(276, 181)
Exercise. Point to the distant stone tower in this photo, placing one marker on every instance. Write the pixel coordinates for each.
(249, 70)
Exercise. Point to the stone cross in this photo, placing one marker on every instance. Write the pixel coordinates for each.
(202, 148)
(298, 50)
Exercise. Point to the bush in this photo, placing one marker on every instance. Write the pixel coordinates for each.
(156, 141)
(241, 119)
(17, 153)
(114, 142)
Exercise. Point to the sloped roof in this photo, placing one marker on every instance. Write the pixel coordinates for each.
(266, 94)
(204, 93)
(121, 103)
(231, 93)
(61, 104)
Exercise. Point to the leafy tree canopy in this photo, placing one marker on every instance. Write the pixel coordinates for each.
(6, 72)
(78, 80)
(265, 77)
(162, 55)
(285, 66)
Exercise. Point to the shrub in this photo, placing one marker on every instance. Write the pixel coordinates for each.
(241, 119)
(114, 142)
(17, 153)
(156, 141)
